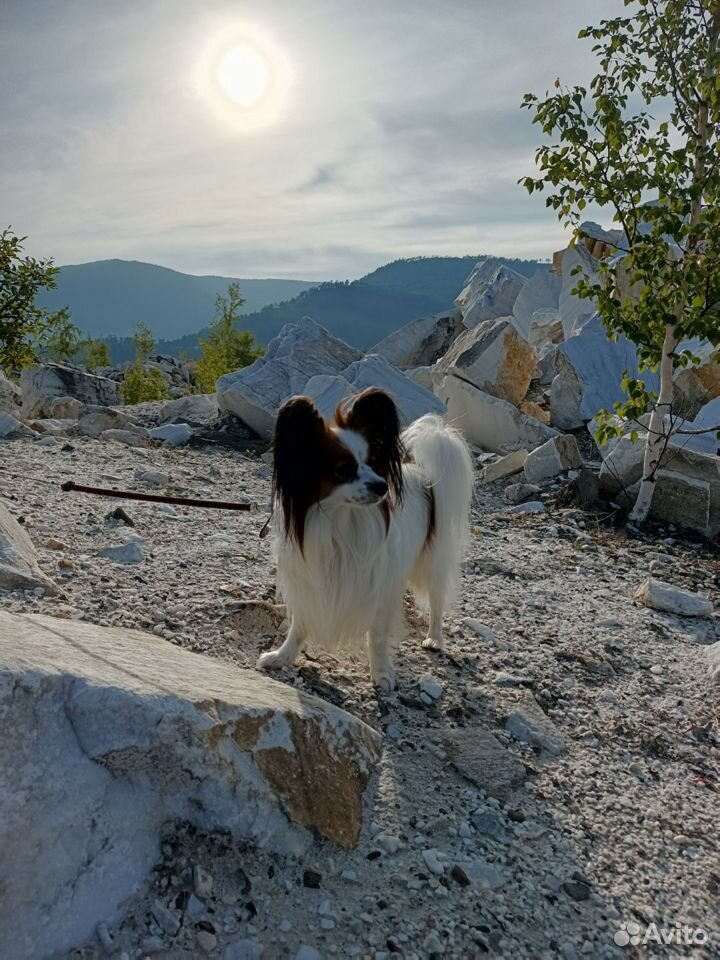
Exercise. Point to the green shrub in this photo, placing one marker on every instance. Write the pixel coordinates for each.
(226, 348)
(141, 385)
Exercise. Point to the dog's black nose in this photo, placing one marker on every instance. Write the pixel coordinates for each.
(378, 487)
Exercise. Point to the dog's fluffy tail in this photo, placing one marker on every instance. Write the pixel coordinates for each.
(443, 457)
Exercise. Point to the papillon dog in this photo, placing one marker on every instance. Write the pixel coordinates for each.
(364, 510)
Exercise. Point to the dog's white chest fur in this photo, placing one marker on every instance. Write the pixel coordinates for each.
(335, 585)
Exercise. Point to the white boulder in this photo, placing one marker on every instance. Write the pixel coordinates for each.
(490, 292)
(195, 408)
(590, 379)
(687, 489)
(545, 329)
(411, 399)
(172, 434)
(108, 734)
(42, 384)
(138, 437)
(11, 428)
(301, 350)
(664, 596)
(19, 567)
(94, 420)
(421, 341)
(552, 458)
(489, 422)
(505, 467)
(494, 358)
(696, 386)
(327, 392)
(540, 293)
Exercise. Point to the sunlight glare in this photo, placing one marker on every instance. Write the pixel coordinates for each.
(243, 74)
(245, 78)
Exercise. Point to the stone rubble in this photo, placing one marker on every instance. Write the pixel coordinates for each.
(545, 632)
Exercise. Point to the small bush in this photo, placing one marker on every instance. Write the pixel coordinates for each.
(141, 385)
(226, 348)
(94, 354)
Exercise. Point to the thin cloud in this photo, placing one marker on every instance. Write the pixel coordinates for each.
(402, 133)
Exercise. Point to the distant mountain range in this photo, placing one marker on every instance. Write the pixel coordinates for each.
(108, 297)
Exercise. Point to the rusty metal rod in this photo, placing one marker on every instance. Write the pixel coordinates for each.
(250, 506)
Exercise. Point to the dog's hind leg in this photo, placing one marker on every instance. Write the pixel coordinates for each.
(437, 592)
(287, 654)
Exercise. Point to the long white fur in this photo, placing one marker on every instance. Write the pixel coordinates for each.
(347, 584)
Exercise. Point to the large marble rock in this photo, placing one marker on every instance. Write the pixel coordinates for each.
(19, 567)
(490, 292)
(494, 357)
(590, 372)
(42, 384)
(300, 351)
(541, 292)
(108, 734)
(420, 342)
(10, 396)
(687, 489)
(489, 422)
(412, 399)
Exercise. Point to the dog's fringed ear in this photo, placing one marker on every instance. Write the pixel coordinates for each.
(373, 414)
(299, 431)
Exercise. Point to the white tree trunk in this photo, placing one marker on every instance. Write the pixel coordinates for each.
(657, 430)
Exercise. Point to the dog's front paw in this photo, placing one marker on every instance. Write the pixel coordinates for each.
(433, 643)
(384, 679)
(272, 660)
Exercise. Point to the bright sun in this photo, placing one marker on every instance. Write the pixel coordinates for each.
(245, 77)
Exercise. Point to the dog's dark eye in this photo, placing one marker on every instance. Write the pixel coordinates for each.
(346, 472)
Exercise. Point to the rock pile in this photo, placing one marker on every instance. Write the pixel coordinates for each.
(515, 363)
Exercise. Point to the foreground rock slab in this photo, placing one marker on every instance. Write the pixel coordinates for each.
(664, 596)
(110, 733)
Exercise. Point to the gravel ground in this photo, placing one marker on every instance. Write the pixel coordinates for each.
(613, 822)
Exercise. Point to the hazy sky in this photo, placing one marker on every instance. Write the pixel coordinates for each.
(399, 132)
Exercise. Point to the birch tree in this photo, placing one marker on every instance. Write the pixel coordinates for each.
(643, 142)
